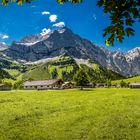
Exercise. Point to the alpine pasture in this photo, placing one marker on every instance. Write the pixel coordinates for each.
(91, 114)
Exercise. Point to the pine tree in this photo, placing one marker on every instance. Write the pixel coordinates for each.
(109, 83)
(54, 74)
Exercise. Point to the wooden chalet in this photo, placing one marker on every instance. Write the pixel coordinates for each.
(43, 84)
(4, 87)
(134, 85)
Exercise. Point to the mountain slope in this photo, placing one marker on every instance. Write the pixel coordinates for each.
(129, 80)
(56, 43)
(3, 46)
(4, 74)
(65, 67)
(10, 70)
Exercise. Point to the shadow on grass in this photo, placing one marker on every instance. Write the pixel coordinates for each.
(85, 89)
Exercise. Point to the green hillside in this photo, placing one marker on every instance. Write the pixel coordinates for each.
(100, 74)
(4, 74)
(66, 67)
(128, 80)
(63, 67)
(10, 71)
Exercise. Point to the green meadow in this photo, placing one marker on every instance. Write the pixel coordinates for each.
(92, 114)
(128, 80)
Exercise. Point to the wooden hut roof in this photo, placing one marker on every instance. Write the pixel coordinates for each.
(40, 82)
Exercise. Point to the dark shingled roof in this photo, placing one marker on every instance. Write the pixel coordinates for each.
(40, 82)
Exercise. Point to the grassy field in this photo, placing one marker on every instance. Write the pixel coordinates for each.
(97, 114)
(128, 80)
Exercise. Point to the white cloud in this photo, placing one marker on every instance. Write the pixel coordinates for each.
(45, 31)
(3, 43)
(94, 16)
(59, 24)
(4, 36)
(53, 18)
(45, 13)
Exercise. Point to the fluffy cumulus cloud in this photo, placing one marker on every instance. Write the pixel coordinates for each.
(45, 31)
(4, 36)
(45, 13)
(59, 24)
(53, 18)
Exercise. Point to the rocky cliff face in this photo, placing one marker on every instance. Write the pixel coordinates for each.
(3, 46)
(125, 64)
(64, 41)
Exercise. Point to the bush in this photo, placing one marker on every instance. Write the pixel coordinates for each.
(109, 84)
(123, 84)
(18, 85)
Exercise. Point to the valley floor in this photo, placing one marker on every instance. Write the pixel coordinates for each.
(96, 114)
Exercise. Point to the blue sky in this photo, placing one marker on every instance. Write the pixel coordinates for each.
(85, 19)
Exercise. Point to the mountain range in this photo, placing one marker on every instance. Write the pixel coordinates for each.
(63, 42)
